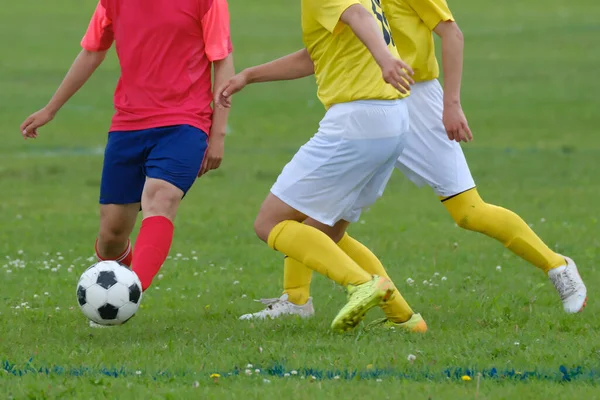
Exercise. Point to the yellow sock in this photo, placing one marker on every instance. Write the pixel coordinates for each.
(317, 251)
(297, 278)
(472, 213)
(396, 308)
(296, 281)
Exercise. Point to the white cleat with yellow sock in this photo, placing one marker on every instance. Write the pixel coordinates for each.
(280, 307)
(570, 286)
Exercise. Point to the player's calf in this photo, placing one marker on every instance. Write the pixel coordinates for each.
(160, 201)
(116, 223)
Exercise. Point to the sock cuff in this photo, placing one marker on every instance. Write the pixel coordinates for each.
(466, 195)
(126, 252)
(343, 240)
(277, 229)
(158, 220)
(120, 258)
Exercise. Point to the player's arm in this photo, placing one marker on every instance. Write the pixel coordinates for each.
(218, 50)
(455, 121)
(96, 42)
(452, 60)
(437, 17)
(293, 66)
(224, 70)
(395, 71)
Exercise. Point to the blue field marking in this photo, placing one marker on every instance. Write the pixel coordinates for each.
(561, 374)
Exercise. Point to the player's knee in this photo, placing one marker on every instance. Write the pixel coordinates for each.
(111, 235)
(471, 218)
(468, 210)
(162, 201)
(262, 228)
(462, 220)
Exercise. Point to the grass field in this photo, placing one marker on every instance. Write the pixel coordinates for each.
(530, 92)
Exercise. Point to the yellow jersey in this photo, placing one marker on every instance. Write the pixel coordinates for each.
(412, 23)
(345, 70)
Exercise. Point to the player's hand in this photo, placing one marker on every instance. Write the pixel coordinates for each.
(232, 86)
(455, 122)
(214, 153)
(34, 121)
(397, 73)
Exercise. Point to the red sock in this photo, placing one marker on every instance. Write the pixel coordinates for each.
(124, 258)
(151, 248)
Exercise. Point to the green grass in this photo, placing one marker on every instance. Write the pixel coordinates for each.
(530, 93)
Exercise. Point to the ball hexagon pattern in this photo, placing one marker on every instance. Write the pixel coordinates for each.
(109, 293)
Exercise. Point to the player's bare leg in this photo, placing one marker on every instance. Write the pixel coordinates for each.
(160, 198)
(116, 224)
(279, 225)
(160, 201)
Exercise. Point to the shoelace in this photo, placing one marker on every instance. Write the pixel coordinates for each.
(565, 284)
(271, 303)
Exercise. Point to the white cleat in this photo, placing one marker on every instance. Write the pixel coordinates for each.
(280, 307)
(570, 286)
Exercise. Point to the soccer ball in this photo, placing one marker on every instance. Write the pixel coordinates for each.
(108, 293)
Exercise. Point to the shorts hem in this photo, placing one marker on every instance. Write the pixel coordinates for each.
(353, 219)
(118, 202)
(456, 193)
(172, 182)
(459, 190)
(304, 210)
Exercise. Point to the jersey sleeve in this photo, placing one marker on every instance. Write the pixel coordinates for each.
(216, 31)
(432, 12)
(328, 12)
(99, 35)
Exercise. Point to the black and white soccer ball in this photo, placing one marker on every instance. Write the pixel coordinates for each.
(109, 293)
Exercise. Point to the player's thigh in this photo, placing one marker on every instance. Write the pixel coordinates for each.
(316, 182)
(123, 168)
(117, 220)
(327, 174)
(372, 189)
(429, 157)
(175, 155)
(273, 211)
(326, 177)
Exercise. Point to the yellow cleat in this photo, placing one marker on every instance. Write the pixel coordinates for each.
(416, 323)
(361, 299)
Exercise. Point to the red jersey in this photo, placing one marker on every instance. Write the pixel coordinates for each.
(165, 49)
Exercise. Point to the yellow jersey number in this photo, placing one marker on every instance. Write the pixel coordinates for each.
(385, 27)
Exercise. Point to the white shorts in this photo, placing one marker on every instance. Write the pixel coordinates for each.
(347, 164)
(429, 157)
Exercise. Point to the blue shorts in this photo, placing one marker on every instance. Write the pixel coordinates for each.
(171, 153)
